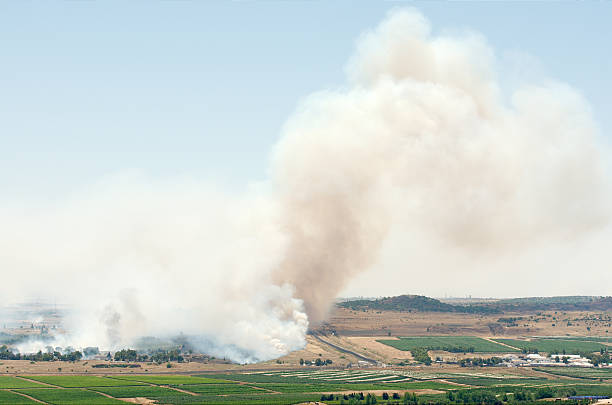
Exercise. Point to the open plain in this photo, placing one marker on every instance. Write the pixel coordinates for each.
(358, 356)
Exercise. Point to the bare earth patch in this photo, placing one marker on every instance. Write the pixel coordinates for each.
(138, 400)
(372, 347)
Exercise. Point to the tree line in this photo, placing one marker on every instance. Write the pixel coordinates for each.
(6, 354)
(161, 356)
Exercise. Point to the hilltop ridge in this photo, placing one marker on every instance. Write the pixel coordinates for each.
(422, 303)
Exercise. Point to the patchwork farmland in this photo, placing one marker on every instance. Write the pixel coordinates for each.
(361, 356)
(280, 387)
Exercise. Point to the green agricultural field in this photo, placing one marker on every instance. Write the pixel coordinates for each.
(312, 384)
(169, 379)
(222, 389)
(70, 396)
(13, 382)
(341, 387)
(295, 388)
(260, 378)
(571, 346)
(8, 397)
(79, 381)
(315, 377)
(490, 381)
(146, 391)
(592, 389)
(264, 399)
(588, 373)
(448, 343)
(423, 385)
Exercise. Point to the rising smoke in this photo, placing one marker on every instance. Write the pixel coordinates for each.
(423, 135)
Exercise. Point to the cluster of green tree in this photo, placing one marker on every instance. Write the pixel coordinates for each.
(463, 396)
(160, 356)
(163, 356)
(563, 359)
(347, 397)
(472, 397)
(317, 362)
(6, 354)
(602, 358)
(510, 322)
(478, 396)
(386, 396)
(410, 399)
(478, 362)
(420, 354)
(359, 398)
(371, 399)
(130, 355)
(105, 365)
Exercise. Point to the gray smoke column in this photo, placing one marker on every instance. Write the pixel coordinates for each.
(422, 139)
(423, 132)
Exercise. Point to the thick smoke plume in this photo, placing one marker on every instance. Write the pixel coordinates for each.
(423, 135)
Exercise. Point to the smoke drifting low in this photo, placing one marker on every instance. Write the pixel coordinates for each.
(134, 258)
(421, 136)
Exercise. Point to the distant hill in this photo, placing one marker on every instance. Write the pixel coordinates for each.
(406, 303)
(412, 303)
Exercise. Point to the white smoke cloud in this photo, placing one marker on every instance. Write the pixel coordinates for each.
(137, 258)
(422, 145)
(424, 141)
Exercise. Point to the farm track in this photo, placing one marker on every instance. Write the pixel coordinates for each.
(343, 350)
(101, 393)
(178, 389)
(267, 391)
(500, 343)
(27, 396)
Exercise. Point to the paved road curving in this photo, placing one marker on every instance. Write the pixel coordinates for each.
(343, 350)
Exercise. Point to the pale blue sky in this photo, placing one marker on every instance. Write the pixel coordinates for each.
(88, 89)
